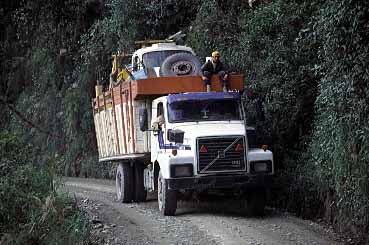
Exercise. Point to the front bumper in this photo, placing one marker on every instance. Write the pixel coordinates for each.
(220, 181)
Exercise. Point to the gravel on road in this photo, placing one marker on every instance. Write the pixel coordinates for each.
(209, 222)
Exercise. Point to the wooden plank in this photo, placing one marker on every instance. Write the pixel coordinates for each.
(131, 112)
(116, 95)
(127, 117)
(115, 123)
(99, 124)
(97, 131)
(108, 99)
(107, 128)
(122, 118)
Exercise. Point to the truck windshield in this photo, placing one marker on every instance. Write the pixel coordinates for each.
(209, 110)
(155, 59)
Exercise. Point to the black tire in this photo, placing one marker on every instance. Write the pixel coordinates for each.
(140, 192)
(255, 202)
(124, 183)
(167, 199)
(181, 64)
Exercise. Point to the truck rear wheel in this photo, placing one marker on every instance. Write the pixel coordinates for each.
(255, 202)
(140, 192)
(124, 183)
(167, 199)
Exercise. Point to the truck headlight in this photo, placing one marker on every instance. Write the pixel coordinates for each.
(261, 167)
(183, 170)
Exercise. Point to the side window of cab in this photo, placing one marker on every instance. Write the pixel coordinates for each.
(136, 63)
(159, 117)
(160, 109)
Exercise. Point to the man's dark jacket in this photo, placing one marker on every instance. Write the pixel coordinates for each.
(208, 66)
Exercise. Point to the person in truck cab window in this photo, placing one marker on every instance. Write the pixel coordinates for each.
(215, 66)
(159, 120)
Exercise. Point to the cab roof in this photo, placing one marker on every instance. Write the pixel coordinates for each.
(162, 47)
(173, 98)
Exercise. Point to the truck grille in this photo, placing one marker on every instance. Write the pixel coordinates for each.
(221, 154)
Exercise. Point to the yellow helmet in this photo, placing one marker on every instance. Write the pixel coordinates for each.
(215, 53)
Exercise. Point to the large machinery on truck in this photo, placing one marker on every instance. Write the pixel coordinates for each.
(167, 135)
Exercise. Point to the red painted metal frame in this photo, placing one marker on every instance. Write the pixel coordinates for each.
(122, 118)
(115, 119)
(126, 94)
(105, 126)
(131, 110)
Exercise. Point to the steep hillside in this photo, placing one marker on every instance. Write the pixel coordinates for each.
(307, 61)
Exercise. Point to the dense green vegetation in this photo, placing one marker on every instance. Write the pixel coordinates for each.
(306, 60)
(31, 209)
(36, 74)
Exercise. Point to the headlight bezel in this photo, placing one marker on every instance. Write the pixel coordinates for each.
(267, 168)
(181, 170)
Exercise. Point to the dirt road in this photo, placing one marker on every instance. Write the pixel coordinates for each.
(209, 222)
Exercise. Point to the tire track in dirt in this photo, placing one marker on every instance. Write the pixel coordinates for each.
(213, 222)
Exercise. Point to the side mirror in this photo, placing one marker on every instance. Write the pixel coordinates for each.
(143, 119)
(175, 135)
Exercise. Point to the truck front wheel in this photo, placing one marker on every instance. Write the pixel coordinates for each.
(167, 199)
(124, 183)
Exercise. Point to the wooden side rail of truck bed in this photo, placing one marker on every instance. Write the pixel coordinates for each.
(116, 111)
(155, 87)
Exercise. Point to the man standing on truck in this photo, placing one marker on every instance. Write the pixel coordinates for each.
(215, 66)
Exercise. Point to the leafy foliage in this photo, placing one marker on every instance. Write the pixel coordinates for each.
(340, 139)
(308, 62)
(31, 211)
(305, 61)
(267, 45)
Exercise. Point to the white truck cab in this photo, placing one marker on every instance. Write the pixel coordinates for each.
(184, 61)
(199, 141)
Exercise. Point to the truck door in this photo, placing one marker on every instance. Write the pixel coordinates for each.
(158, 132)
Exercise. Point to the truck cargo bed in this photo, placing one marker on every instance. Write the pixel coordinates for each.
(116, 112)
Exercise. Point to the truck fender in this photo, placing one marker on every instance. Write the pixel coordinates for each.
(163, 167)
